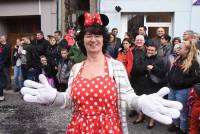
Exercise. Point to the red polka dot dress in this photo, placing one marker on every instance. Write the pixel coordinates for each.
(95, 105)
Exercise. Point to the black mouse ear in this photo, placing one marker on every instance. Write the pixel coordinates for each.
(104, 19)
(81, 20)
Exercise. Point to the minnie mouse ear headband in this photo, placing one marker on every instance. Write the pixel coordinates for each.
(88, 19)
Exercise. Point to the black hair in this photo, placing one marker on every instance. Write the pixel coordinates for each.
(93, 29)
(145, 28)
(176, 38)
(128, 40)
(40, 32)
(114, 29)
(151, 44)
(166, 37)
(58, 32)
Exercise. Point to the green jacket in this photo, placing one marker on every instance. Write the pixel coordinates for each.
(75, 54)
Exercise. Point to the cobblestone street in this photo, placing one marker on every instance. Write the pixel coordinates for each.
(19, 117)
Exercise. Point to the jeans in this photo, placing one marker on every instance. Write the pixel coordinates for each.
(18, 77)
(1, 82)
(6, 77)
(181, 96)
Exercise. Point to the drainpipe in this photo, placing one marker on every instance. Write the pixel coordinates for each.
(57, 14)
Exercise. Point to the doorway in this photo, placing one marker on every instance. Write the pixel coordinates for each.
(151, 20)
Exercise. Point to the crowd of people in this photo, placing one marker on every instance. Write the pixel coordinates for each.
(151, 63)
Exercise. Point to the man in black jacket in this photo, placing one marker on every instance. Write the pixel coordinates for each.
(62, 43)
(7, 62)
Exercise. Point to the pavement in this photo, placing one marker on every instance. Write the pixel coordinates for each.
(19, 117)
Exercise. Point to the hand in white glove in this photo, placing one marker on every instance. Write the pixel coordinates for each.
(159, 109)
(36, 92)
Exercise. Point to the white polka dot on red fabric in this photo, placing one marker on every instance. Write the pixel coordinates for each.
(95, 103)
(78, 93)
(108, 91)
(95, 95)
(91, 90)
(80, 85)
(96, 86)
(83, 89)
(86, 93)
(100, 100)
(75, 88)
(88, 85)
(82, 98)
(100, 91)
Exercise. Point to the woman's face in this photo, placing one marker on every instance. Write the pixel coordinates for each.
(111, 38)
(52, 41)
(183, 51)
(126, 45)
(93, 42)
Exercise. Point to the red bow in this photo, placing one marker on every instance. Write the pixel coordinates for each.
(90, 19)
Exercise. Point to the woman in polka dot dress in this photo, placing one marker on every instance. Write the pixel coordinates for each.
(95, 104)
(99, 89)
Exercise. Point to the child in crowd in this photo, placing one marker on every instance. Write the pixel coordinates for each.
(64, 67)
(47, 70)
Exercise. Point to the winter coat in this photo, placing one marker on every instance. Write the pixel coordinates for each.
(126, 59)
(179, 80)
(143, 84)
(75, 54)
(64, 68)
(53, 54)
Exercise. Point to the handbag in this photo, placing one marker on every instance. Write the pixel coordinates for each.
(197, 89)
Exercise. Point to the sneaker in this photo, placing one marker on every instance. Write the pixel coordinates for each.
(173, 128)
(2, 98)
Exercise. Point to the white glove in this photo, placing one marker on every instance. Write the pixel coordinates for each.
(159, 109)
(36, 92)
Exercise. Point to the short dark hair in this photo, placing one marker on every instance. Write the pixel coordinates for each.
(176, 38)
(166, 37)
(145, 28)
(94, 29)
(114, 29)
(58, 32)
(151, 44)
(64, 49)
(40, 32)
